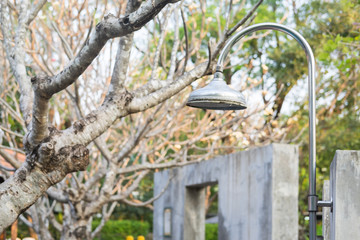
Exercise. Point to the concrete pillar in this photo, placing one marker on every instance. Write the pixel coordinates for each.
(194, 217)
(326, 211)
(345, 192)
(285, 192)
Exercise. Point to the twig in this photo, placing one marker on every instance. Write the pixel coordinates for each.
(11, 132)
(7, 168)
(12, 112)
(10, 159)
(67, 48)
(186, 41)
(242, 21)
(228, 17)
(151, 200)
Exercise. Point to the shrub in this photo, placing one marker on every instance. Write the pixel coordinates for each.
(211, 231)
(118, 230)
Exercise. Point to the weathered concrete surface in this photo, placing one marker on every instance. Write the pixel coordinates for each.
(258, 195)
(345, 192)
(194, 218)
(326, 211)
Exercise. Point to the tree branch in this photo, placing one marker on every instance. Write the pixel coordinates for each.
(10, 159)
(34, 11)
(104, 219)
(16, 57)
(133, 142)
(40, 113)
(122, 56)
(186, 40)
(174, 48)
(244, 19)
(151, 200)
(160, 42)
(121, 64)
(57, 195)
(149, 87)
(110, 27)
(146, 102)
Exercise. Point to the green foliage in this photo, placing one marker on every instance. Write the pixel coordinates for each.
(211, 231)
(118, 230)
(336, 133)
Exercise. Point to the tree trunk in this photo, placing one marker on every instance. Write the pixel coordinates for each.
(75, 227)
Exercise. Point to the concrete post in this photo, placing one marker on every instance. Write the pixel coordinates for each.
(194, 218)
(345, 192)
(326, 211)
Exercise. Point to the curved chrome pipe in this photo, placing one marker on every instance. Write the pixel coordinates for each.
(312, 198)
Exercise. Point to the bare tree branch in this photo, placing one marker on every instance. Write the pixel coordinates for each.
(160, 42)
(186, 40)
(16, 57)
(10, 159)
(141, 104)
(104, 219)
(150, 201)
(244, 19)
(174, 48)
(110, 27)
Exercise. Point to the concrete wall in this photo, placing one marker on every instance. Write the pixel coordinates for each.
(345, 193)
(258, 196)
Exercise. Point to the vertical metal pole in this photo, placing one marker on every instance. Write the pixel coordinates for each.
(312, 198)
(312, 205)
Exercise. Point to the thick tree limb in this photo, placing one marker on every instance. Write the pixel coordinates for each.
(122, 56)
(33, 178)
(121, 64)
(22, 183)
(40, 112)
(149, 87)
